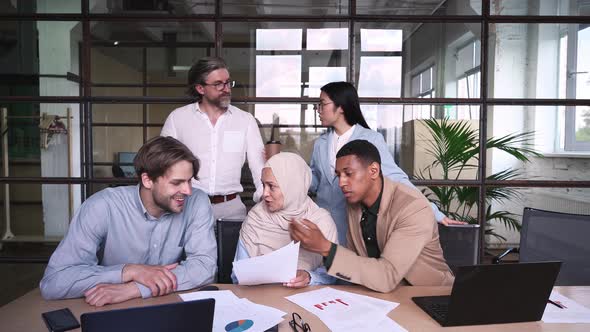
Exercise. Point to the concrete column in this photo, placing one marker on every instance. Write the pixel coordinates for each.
(58, 55)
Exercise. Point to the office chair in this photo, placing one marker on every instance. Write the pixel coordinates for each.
(460, 244)
(547, 235)
(117, 171)
(228, 233)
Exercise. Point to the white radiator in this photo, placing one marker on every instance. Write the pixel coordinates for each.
(572, 202)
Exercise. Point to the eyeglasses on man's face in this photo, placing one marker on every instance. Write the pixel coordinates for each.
(221, 85)
(298, 325)
(320, 106)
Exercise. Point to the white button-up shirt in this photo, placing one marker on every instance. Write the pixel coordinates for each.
(221, 148)
(337, 143)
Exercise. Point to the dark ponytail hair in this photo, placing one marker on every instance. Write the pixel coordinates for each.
(343, 94)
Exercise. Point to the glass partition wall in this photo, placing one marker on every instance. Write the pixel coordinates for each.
(83, 84)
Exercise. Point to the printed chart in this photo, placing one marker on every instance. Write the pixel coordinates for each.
(239, 326)
(323, 305)
(345, 311)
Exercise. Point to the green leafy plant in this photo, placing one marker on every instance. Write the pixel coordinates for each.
(454, 147)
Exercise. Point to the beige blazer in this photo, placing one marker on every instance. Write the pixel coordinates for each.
(407, 236)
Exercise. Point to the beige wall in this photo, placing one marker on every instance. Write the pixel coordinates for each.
(108, 141)
(416, 139)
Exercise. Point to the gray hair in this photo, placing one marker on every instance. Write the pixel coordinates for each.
(199, 72)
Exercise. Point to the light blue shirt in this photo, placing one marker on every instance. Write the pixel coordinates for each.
(325, 183)
(113, 228)
(318, 276)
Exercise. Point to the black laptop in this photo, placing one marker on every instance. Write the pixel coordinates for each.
(494, 294)
(180, 316)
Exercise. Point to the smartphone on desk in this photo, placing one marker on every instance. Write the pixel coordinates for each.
(60, 320)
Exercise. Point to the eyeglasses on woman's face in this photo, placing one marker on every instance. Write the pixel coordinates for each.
(320, 106)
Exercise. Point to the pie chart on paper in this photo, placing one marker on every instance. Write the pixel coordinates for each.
(239, 326)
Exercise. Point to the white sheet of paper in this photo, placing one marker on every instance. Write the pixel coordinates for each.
(382, 323)
(263, 317)
(276, 267)
(344, 311)
(229, 308)
(386, 305)
(573, 313)
(387, 324)
(219, 295)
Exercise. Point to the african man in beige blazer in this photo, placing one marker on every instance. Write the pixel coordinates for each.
(391, 238)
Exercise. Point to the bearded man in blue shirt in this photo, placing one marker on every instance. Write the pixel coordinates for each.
(128, 242)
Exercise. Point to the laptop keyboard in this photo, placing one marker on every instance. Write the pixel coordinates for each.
(436, 306)
(440, 310)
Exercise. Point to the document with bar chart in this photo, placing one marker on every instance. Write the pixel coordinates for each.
(341, 310)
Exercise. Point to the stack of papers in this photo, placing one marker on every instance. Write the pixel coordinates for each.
(278, 266)
(344, 311)
(572, 312)
(235, 314)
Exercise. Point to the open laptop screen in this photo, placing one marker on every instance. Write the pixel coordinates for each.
(180, 316)
(494, 294)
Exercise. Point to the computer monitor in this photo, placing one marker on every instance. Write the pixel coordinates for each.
(125, 161)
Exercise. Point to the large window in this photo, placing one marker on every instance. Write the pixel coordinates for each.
(574, 49)
(468, 71)
(423, 83)
(84, 83)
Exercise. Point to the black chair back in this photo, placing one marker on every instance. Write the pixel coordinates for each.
(555, 236)
(460, 244)
(228, 233)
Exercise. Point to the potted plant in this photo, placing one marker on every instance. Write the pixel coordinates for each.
(454, 147)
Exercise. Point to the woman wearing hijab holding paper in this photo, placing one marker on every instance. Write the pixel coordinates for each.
(286, 178)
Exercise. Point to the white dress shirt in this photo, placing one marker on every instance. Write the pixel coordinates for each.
(221, 148)
(337, 143)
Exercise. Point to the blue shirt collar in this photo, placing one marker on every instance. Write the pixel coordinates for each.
(145, 212)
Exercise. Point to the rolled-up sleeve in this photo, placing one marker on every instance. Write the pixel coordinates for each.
(73, 268)
(200, 247)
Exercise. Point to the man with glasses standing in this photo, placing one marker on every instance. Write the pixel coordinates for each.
(222, 135)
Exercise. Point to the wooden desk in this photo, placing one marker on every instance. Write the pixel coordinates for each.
(24, 314)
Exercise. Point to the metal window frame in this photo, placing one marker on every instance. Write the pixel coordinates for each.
(571, 143)
(87, 100)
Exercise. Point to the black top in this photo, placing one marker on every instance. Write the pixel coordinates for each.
(369, 227)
